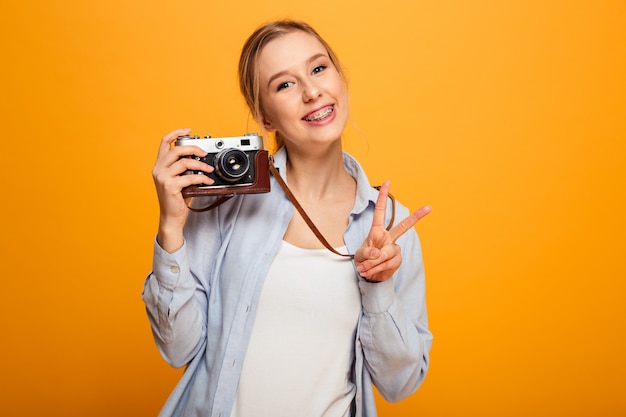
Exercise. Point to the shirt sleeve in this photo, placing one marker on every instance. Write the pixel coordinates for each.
(176, 306)
(394, 328)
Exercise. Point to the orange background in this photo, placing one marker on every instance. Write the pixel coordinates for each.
(508, 117)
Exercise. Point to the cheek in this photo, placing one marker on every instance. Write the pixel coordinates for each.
(269, 115)
(341, 91)
(344, 89)
(266, 111)
(345, 99)
(274, 116)
(279, 110)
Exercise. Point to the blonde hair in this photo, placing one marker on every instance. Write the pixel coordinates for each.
(248, 72)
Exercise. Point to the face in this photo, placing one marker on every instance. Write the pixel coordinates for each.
(302, 94)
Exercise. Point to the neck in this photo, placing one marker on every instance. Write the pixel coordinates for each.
(317, 175)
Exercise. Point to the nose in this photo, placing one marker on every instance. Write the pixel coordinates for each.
(310, 91)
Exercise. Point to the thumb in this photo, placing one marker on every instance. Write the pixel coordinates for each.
(365, 253)
(374, 253)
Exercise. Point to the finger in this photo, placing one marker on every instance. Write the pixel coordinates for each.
(193, 179)
(180, 170)
(365, 253)
(183, 165)
(176, 154)
(166, 141)
(381, 205)
(406, 224)
(382, 271)
(377, 256)
(175, 186)
(385, 265)
(179, 152)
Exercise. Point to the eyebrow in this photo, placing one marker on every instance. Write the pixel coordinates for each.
(308, 61)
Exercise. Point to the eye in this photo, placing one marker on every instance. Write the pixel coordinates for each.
(284, 85)
(319, 69)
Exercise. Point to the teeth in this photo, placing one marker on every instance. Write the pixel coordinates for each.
(320, 115)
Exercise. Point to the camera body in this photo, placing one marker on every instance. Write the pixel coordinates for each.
(241, 165)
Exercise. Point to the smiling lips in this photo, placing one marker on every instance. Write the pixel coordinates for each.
(319, 115)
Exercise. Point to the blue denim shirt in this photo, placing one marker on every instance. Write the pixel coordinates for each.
(202, 299)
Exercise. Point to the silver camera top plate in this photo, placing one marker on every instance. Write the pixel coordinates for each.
(247, 142)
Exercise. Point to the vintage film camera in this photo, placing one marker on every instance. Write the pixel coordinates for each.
(241, 165)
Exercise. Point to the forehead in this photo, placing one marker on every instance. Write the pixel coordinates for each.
(288, 51)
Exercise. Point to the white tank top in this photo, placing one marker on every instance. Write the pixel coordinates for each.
(299, 360)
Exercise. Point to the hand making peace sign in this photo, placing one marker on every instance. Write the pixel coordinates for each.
(379, 256)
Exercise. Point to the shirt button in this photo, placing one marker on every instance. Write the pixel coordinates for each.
(175, 270)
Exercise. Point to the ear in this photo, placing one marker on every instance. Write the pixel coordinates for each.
(267, 125)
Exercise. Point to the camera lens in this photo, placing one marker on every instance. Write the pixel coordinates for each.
(231, 164)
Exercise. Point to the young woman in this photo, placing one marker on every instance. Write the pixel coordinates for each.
(266, 320)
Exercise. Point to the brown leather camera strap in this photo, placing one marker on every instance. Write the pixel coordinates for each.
(305, 216)
(221, 200)
(308, 220)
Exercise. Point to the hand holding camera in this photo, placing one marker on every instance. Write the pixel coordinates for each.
(171, 162)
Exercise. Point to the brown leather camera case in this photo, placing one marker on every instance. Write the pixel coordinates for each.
(261, 182)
